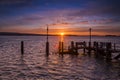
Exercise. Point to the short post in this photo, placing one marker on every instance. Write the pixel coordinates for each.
(62, 46)
(108, 50)
(22, 47)
(47, 48)
(84, 47)
(101, 44)
(59, 46)
(76, 48)
(72, 46)
(96, 49)
(114, 46)
(89, 49)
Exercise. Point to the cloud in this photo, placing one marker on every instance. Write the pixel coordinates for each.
(11, 2)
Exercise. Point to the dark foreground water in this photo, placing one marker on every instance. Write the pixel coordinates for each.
(34, 65)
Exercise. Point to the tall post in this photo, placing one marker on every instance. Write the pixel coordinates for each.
(47, 44)
(22, 47)
(90, 35)
(89, 52)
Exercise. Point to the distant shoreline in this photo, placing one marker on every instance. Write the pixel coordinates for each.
(26, 34)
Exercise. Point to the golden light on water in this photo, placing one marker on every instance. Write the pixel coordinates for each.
(62, 36)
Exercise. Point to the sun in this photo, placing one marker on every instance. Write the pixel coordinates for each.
(62, 34)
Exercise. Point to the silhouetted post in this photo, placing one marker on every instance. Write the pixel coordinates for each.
(96, 49)
(114, 46)
(89, 52)
(84, 47)
(76, 48)
(72, 46)
(90, 35)
(108, 54)
(22, 47)
(101, 44)
(47, 44)
(62, 46)
(59, 46)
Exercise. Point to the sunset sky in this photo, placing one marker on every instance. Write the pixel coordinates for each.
(68, 16)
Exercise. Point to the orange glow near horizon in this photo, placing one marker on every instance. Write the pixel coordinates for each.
(62, 34)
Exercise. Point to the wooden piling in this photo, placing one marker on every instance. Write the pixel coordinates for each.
(22, 47)
(62, 46)
(114, 46)
(72, 46)
(76, 47)
(89, 50)
(84, 51)
(96, 46)
(108, 51)
(47, 44)
(59, 46)
(47, 48)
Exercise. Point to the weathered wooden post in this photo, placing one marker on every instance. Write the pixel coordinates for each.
(72, 46)
(22, 47)
(94, 46)
(89, 50)
(101, 44)
(62, 46)
(84, 48)
(96, 49)
(108, 51)
(47, 44)
(59, 46)
(114, 46)
(76, 47)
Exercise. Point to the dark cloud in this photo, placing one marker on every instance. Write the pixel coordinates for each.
(11, 2)
(99, 8)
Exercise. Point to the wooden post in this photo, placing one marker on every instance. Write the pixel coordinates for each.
(72, 46)
(59, 46)
(47, 48)
(89, 49)
(108, 50)
(94, 46)
(101, 44)
(114, 46)
(96, 49)
(90, 34)
(62, 46)
(76, 48)
(47, 44)
(22, 47)
(84, 47)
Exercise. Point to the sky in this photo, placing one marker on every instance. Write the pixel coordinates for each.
(68, 16)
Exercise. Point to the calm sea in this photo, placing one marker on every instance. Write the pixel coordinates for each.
(34, 65)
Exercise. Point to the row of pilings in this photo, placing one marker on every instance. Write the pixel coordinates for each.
(102, 50)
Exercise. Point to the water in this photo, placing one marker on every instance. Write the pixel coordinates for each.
(34, 65)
